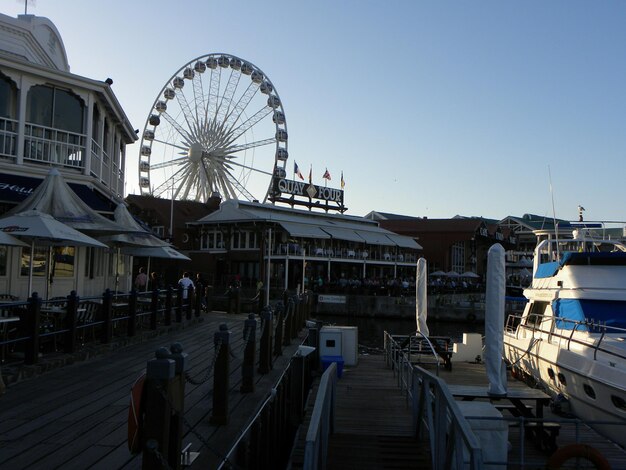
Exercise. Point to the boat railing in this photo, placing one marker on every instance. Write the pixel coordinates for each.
(595, 334)
(434, 410)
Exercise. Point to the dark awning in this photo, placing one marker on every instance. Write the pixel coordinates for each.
(16, 188)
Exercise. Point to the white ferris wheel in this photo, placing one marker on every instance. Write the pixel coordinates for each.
(217, 126)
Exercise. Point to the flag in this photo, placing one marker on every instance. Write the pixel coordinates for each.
(326, 175)
(296, 170)
(311, 175)
(343, 183)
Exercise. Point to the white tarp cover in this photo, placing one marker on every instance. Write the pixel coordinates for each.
(53, 196)
(421, 297)
(494, 321)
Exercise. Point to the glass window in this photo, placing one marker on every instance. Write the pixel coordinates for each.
(3, 260)
(63, 261)
(237, 240)
(8, 98)
(39, 261)
(39, 104)
(68, 111)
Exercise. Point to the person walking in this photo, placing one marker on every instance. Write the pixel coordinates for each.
(186, 283)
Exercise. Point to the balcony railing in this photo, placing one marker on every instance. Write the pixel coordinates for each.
(56, 146)
(8, 138)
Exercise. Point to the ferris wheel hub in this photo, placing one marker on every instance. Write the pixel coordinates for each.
(195, 152)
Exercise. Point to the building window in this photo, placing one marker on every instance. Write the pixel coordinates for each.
(62, 261)
(159, 230)
(3, 260)
(55, 108)
(8, 98)
(458, 257)
(212, 240)
(237, 239)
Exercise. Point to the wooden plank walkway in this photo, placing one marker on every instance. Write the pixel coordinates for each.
(76, 416)
(373, 421)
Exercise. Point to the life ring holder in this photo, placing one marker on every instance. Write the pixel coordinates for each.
(136, 415)
(573, 451)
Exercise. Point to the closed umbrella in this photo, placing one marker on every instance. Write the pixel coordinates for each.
(421, 297)
(44, 230)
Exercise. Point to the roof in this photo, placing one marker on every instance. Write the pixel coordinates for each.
(307, 224)
(155, 211)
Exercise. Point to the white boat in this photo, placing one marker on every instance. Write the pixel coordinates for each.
(571, 337)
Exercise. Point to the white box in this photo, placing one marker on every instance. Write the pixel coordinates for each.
(349, 349)
(330, 341)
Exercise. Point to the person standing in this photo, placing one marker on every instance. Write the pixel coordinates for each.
(141, 280)
(186, 283)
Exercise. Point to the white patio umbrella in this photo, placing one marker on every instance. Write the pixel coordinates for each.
(470, 274)
(452, 274)
(7, 239)
(438, 273)
(45, 230)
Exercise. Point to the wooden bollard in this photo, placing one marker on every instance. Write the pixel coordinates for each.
(107, 316)
(159, 374)
(132, 313)
(280, 326)
(265, 347)
(289, 322)
(179, 305)
(168, 305)
(247, 367)
(70, 323)
(221, 372)
(177, 400)
(31, 351)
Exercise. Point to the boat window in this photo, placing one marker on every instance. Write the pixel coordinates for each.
(551, 373)
(589, 391)
(562, 379)
(611, 313)
(535, 314)
(619, 402)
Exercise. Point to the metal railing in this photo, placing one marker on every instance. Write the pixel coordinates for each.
(322, 421)
(452, 443)
(8, 137)
(58, 146)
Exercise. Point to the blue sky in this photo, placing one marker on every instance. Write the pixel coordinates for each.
(430, 108)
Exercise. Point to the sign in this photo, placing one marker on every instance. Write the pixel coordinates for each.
(331, 299)
(287, 191)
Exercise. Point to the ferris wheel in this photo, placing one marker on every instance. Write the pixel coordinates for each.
(217, 126)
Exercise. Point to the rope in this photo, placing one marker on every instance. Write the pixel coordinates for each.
(530, 346)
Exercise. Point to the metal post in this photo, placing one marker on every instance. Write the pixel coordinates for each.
(247, 368)
(267, 269)
(221, 377)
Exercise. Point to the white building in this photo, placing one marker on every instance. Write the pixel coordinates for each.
(51, 118)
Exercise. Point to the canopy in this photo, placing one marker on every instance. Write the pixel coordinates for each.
(304, 230)
(156, 252)
(470, 274)
(6, 239)
(139, 237)
(438, 273)
(343, 234)
(452, 274)
(53, 196)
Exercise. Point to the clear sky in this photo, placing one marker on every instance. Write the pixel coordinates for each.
(430, 108)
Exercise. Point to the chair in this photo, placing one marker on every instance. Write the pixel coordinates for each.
(86, 315)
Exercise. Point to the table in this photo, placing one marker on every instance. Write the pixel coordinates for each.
(541, 432)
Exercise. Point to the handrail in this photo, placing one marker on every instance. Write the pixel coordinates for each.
(322, 421)
(451, 439)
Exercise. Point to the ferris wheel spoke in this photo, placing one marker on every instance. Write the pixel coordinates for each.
(249, 145)
(231, 119)
(186, 109)
(214, 89)
(199, 97)
(253, 120)
(169, 183)
(170, 144)
(227, 97)
(161, 165)
(172, 122)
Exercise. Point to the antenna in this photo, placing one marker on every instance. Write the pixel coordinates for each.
(556, 226)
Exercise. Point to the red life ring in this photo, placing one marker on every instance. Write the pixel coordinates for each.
(135, 415)
(580, 451)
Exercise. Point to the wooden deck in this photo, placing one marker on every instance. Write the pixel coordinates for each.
(76, 416)
(373, 421)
